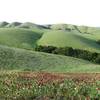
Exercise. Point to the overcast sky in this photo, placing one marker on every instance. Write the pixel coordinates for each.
(81, 12)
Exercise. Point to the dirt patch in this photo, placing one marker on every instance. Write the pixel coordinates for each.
(44, 77)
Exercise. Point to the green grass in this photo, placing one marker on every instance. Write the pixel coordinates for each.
(20, 38)
(20, 59)
(62, 38)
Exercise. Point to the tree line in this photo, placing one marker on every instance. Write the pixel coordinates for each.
(69, 51)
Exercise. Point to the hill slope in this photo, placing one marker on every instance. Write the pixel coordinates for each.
(20, 59)
(63, 38)
(21, 38)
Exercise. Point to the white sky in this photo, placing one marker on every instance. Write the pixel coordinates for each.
(81, 12)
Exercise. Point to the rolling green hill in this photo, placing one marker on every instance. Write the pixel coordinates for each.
(63, 38)
(27, 35)
(21, 59)
(21, 38)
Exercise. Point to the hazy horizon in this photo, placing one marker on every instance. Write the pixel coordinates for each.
(77, 12)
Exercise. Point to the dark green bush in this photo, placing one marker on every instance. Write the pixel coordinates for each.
(48, 49)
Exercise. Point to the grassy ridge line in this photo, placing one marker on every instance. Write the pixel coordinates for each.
(20, 59)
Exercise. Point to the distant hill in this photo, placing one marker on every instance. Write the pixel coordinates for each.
(3, 24)
(62, 27)
(29, 25)
(13, 25)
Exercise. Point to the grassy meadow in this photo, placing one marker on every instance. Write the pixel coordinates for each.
(26, 74)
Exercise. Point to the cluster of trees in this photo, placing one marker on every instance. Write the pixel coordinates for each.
(69, 51)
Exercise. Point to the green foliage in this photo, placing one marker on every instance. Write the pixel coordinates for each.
(97, 60)
(48, 49)
(67, 51)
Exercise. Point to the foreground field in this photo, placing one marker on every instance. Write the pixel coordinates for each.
(49, 86)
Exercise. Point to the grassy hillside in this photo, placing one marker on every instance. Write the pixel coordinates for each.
(93, 34)
(21, 38)
(20, 59)
(26, 35)
(62, 38)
